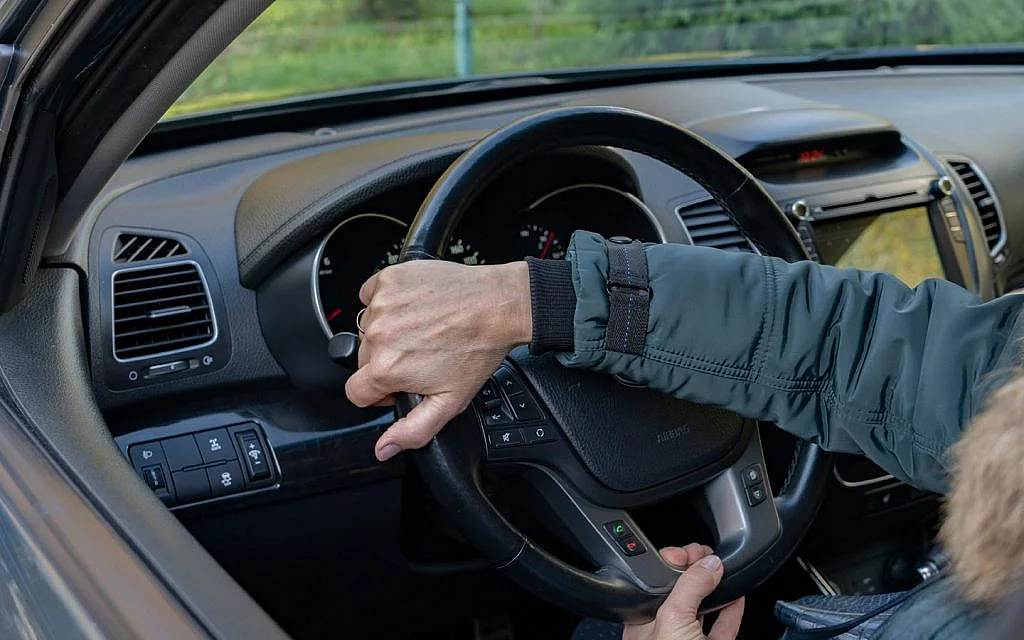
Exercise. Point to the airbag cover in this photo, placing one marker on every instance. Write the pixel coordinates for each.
(630, 439)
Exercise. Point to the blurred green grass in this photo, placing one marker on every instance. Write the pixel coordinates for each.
(303, 47)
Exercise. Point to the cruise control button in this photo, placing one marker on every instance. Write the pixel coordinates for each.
(533, 435)
(508, 382)
(226, 478)
(524, 407)
(492, 404)
(631, 546)
(215, 445)
(497, 417)
(753, 475)
(506, 438)
(487, 393)
(756, 494)
(191, 485)
(181, 452)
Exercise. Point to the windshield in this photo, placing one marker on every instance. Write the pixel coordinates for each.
(307, 47)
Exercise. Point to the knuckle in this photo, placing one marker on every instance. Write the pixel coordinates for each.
(385, 366)
(419, 438)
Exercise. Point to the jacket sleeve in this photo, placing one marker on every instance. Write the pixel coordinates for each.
(855, 361)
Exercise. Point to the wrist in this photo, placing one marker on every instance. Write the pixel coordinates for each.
(516, 322)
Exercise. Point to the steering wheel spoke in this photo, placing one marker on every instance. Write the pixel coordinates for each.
(608, 537)
(742, 511)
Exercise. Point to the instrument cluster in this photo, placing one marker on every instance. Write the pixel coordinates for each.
(365, 243)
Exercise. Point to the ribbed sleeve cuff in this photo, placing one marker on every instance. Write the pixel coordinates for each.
(553, 305)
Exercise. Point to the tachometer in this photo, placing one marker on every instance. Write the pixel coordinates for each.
(352, 252)
(540, 242)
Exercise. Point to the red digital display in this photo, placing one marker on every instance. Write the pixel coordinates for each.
(811, 155)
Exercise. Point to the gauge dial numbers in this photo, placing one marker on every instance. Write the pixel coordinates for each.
(352, 252)
(461, 251)
(355, 250)
(540, 242)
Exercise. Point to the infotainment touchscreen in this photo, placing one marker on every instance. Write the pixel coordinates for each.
(900, 242)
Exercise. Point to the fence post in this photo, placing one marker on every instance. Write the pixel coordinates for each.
(463, 38)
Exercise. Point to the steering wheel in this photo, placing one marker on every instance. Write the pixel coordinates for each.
(591, 448)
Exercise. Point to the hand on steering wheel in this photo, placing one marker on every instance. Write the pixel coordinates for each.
(677, 618)
(436, 329)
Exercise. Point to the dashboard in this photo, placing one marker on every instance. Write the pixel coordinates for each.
(215, 276)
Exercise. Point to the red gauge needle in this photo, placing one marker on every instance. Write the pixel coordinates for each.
(334, 314)
(547, 245)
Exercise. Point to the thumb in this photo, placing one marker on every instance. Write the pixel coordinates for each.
(418, 428)
(695, 584)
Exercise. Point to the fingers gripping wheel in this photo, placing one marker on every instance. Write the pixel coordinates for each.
(533, 415)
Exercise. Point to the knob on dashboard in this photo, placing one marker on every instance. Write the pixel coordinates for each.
(799, 210)
(944, 186)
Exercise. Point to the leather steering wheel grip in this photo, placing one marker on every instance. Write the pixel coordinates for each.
(448, 464)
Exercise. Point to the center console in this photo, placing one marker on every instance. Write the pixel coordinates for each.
(862, 195)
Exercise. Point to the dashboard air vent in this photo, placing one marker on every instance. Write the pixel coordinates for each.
(160, 310)
(709, 226)
(134, 247)
(984, 202)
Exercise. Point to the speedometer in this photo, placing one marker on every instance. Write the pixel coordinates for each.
(461, 251)
(356, 249)
(540, 242)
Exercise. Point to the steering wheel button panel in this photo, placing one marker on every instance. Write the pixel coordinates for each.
(756, 494)
(488, 393)
(498, 417)
(619, 530)
(508, 382)
(524, 407)
(753, 475)
(504, 438)
(631, 546)
(540, 433)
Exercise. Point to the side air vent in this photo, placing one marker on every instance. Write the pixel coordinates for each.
(161, 310)
(709, 226)
(133, 247)
(984, 202)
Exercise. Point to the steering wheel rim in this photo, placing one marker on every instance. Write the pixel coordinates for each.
(451, 463)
